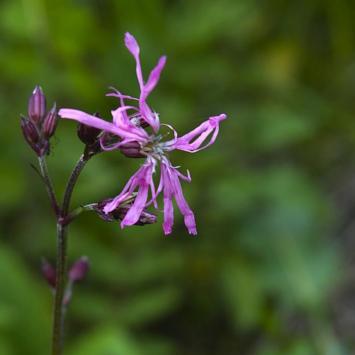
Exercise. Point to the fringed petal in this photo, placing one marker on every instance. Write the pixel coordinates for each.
(192, 141)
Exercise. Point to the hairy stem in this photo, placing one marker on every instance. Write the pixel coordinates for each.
(61, 264)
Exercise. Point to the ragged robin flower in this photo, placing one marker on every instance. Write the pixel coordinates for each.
(136, 128)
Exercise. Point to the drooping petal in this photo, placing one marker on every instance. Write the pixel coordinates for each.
(133, 47)
(189, 217)
(126, 192)
(99, 123)
(142, 180)
(192, 141)
(130, 186)
(168, 215)
(172, 189)
(168, 202)
(137, 208)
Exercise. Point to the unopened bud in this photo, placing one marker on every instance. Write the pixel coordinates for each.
(88, 135)
(37, 105)
(30, 132)
(131, 150)
(120, 212)
(50, 123)
(48, 273)
(79, 269)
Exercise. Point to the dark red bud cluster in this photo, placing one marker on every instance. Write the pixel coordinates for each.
(40, 125)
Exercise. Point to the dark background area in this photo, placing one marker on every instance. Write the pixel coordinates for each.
(272, 269)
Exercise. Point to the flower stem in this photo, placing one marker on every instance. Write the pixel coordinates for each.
(71, 183)
(61, 264)
(48, 182)
(58, 319)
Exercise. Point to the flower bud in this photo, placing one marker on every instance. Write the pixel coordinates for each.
(37, 105)
(30, 133)
(79, 269)
(50, 123)
(88, 135)
(131, 150)
(48, 273)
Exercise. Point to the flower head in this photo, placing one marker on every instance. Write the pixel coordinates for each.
(128, 126)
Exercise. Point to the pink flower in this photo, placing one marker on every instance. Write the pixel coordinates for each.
(128, 125)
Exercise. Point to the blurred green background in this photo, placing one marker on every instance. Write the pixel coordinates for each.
(272, 269)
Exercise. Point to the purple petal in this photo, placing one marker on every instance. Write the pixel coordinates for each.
(133, 47)
(119, 95)
(168, 203)
(141, 179)
(96, 122)
(131, 44)
(111, 206)
(128, 189)
(168, 215)
(172, 188)
(153, 78)
(192, 141)
(122, 121)
(184, 208)
(149, 116)
(136, 210)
